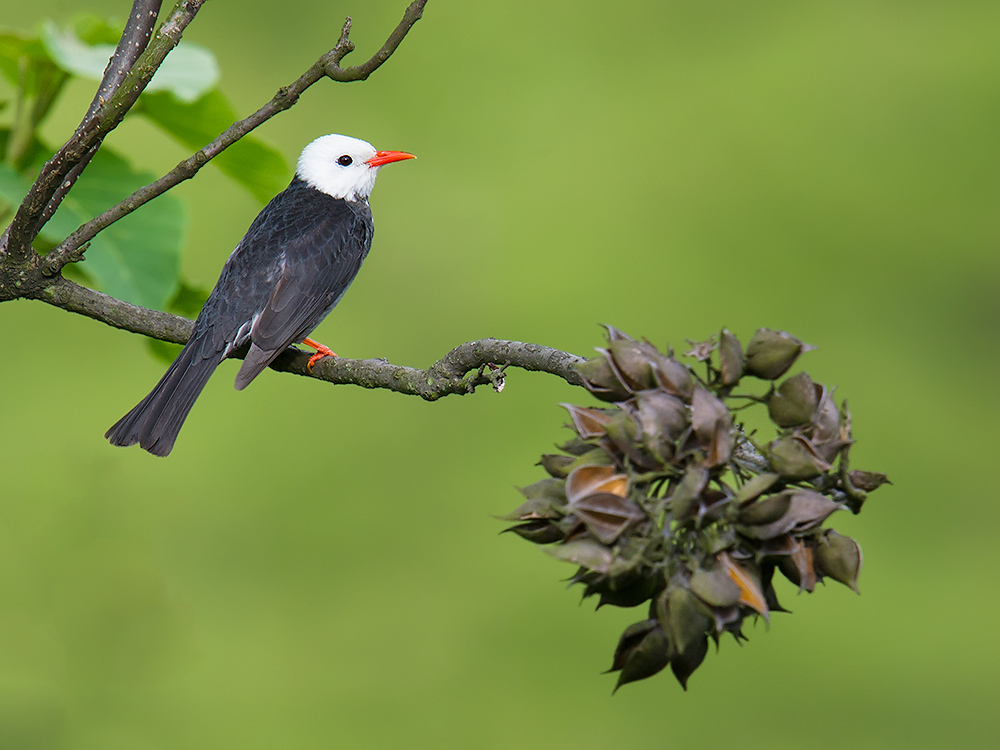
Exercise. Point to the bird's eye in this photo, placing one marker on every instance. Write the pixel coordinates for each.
(345, 161)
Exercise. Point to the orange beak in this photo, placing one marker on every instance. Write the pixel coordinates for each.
(387, 157)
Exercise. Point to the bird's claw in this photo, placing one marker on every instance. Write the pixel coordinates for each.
(321, 351)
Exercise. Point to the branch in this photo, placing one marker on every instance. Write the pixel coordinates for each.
(68, 250)
(62, 292)
(460, 371)
(360, 72)
(134, 40)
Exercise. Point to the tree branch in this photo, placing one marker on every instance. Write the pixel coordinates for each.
(412, 14)
(327, 65)
(460, 371)
(134, 40)
(62, 292)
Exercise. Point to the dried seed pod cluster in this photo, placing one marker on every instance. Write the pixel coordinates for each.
(664, 498)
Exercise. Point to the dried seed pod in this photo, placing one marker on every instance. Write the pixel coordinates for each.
(630, 362)
(748, 582)
(630, 640)
(683, 616)
(715, 587)
(662, 418)
(631, 592)
(540, 531)
(623, 433)
(588, 480)
(794, 458)
(789, 511)
(839, 557)
(687, 493)
(795, 401)
(731, 364)
(673, 377)
(651, 656)
(545, 499)
(606, 515)
(600, 379)
(712, 425)
(831, 428)
(589, 422)
(643, 655)
(799, 567)
(770, 353)
(587, 553)
(755, 487)
(868, 481)
(556, 464)
(684, 664)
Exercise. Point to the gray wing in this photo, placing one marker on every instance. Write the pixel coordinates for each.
(321, 261)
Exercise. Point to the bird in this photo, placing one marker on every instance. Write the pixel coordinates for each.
(291, 268)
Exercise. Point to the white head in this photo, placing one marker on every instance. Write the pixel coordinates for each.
(344, 167)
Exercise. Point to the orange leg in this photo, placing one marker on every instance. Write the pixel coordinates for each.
(321, 351)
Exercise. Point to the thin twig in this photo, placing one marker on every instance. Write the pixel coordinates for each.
(458, 372)
(361, 72)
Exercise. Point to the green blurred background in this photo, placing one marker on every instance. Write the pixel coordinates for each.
(317, 566)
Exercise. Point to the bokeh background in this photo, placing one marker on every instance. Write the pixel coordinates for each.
(318, 566)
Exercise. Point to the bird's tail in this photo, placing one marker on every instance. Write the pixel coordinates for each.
(156, 420)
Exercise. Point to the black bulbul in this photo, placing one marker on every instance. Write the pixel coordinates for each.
(288, 272)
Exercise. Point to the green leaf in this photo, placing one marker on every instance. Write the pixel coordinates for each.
(260, 168)
(188, 72)
(136, 259)
(188, 300)
(38, 81)
(13, 186)
(163, 350)
(73, 55)
(16, 47)
(96, 30)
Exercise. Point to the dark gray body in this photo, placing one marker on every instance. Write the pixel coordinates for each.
(288, 272)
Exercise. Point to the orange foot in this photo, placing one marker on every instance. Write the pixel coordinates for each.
(321, 351)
